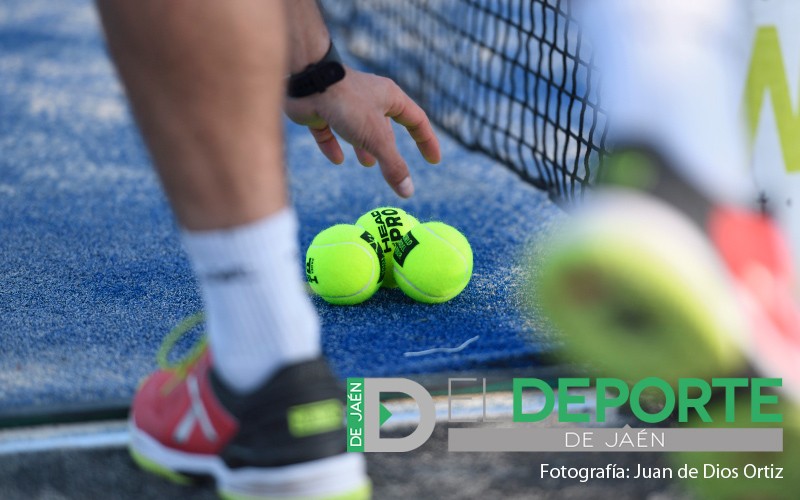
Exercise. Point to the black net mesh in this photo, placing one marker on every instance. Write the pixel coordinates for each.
(513, 78)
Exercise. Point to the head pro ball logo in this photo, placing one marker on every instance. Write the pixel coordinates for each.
(389, 224)
(403, 247)
(378, 251)
(310, 271)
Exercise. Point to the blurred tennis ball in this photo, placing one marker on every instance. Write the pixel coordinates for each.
(387, 225)
(345, 265)
(638, 293)
(432, 262)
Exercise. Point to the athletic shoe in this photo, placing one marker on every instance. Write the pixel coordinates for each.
(284, 440)
(650, 278)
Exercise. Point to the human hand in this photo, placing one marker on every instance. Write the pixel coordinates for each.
(359, 109)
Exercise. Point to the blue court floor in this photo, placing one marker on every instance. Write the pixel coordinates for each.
(92, 274)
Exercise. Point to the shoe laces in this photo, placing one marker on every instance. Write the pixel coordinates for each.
(182, 366)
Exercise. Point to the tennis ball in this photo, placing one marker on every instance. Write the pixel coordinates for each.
(345, 265)
(432, 262)
(387, 225)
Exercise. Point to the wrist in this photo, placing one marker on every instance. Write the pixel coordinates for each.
(317, 76)
(307, 52)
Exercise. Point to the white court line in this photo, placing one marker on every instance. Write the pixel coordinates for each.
(113, 434)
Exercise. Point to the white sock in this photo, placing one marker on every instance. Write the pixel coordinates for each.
(258, 315)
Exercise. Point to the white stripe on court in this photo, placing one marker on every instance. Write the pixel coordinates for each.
(111, 434)
(496, 407)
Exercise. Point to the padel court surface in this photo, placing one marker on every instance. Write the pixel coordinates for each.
(92, 274)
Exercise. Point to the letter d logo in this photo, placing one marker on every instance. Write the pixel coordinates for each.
(373, 387)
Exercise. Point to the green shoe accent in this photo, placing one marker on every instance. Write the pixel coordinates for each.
(758, 485)
(172, 338)
(154, 468)
(315, 418)
(363, 492)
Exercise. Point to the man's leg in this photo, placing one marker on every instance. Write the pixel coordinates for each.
(205, 79)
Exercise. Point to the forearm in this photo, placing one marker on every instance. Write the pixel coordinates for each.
(356, 108)
(308, 36)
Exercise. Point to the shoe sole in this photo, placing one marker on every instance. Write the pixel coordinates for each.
(636, 290)
(342, 477)
(711, 483)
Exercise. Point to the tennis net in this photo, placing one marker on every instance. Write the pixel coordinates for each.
(514, 79)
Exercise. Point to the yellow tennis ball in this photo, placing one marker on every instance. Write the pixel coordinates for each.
(387, 225)
(432, 262)
(344, 264)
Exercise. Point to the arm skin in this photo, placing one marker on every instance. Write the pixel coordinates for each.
(358, 108)
(206, 78)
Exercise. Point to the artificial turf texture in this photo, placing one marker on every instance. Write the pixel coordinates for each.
(92, 274)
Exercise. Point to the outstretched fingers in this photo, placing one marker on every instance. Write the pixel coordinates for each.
(364, 157)
(327, 143)
(393, 167)
(407, 113)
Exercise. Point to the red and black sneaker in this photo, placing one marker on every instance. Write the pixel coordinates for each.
(284, 440)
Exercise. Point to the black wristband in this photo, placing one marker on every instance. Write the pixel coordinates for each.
(318, 76)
